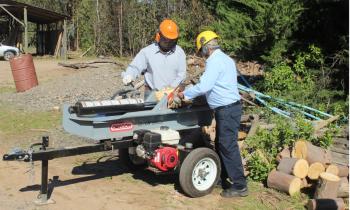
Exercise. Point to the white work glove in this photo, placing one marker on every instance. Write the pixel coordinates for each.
(127, 79)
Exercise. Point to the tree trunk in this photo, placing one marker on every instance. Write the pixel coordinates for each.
(326, 204)
(77, 40)
(283, 182)
(343, 191)
(315, 170)
(327, 186)
(294, 166)
(120, 27)
(312, 153)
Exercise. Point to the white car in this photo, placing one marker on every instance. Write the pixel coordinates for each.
(8, 52)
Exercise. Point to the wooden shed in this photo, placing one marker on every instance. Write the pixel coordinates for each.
(51, 28)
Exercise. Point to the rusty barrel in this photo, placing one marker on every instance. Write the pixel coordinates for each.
(23, 72)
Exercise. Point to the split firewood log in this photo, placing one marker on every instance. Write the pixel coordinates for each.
(315, 170)
(343, 190)
(294, 166)
(327, 186)
(284, 182)
(311, 153)
(326, 204)
(285, 153)
(333, 169)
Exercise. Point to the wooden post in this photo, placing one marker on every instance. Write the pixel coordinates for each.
(25, 30)
(64, 40)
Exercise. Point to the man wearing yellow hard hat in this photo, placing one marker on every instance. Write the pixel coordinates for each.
(219, 84)
(163, 62)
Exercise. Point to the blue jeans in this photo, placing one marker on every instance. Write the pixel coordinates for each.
(227, 124)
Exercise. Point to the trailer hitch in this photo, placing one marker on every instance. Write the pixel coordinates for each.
(19, 154)
(42, 152)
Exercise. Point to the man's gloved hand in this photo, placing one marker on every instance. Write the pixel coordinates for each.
(178, 100)
(174, 102)
(182, 97)
(127, 79)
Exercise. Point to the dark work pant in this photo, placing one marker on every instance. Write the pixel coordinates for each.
(227, 125)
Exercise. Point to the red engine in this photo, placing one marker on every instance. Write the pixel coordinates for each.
(165, 158)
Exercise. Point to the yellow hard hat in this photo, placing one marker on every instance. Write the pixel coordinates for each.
(204, 38)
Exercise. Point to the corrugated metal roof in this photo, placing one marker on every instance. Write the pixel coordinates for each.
(34, 14)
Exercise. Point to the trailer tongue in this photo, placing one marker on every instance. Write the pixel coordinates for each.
(144, 132)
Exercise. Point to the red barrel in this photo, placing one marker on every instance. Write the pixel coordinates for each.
(23, 72)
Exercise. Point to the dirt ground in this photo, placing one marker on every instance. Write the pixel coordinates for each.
(99, 181)
(45, 69)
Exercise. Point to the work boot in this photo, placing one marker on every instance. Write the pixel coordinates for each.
(223, 184)
(231, 192)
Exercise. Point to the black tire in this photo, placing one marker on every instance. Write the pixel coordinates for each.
(8, 55)
(198, 156)
(131, 161)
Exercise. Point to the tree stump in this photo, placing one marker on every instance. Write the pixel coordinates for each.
(285, 153)
(326, 204)
(315, 170)
(294, 166)
(283, 182)
(343, 191)
(305, 150)
(333, 169)
(327, 186)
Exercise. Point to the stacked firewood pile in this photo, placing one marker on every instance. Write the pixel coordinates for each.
(195, 67)
(306, 166)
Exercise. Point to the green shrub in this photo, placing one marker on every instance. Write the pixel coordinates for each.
(262, 148)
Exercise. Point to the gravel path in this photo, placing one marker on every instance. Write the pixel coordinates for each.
(87, 84)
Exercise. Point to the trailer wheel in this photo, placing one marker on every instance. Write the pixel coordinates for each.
(131, 161)
(199, 172)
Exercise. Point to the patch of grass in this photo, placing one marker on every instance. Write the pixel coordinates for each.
(263, 198)
(7, 89)
(14, 121)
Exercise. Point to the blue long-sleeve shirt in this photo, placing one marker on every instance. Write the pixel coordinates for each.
(218, 82)
(160, 69)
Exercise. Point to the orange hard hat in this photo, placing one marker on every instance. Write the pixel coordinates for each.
(168, 29)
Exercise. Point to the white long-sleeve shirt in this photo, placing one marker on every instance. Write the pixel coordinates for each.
(218, 82)
(160, 69)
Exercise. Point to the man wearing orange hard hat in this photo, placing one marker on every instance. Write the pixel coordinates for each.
(163, 62)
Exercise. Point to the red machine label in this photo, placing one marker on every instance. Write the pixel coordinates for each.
(121, 127)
